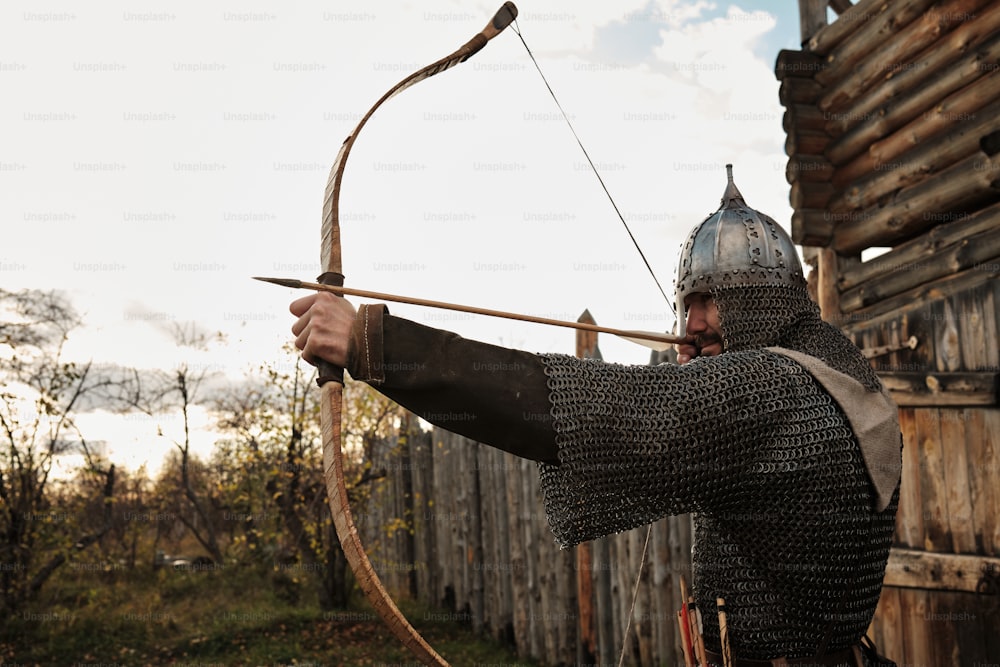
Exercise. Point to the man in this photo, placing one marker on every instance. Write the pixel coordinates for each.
(774, 431)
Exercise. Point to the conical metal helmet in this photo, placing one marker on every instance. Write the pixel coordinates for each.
(733, 247)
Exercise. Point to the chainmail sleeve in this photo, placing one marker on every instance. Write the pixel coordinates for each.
(639, 443)
(767, 462)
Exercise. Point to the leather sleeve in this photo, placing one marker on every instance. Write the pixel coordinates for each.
(490, 394)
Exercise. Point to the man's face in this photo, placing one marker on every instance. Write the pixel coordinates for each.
(703, 324)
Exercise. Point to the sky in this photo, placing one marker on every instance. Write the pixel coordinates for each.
(155, 155)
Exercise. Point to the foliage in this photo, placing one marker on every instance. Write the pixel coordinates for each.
(251, 520)
(158, 392)
(227, 616)
(270, 473)
(40, 528)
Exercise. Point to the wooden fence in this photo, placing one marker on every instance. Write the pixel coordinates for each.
(470, 537)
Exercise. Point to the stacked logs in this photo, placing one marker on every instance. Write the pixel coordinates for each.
(893, 129)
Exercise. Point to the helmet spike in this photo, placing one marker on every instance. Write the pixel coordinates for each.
(732, 197)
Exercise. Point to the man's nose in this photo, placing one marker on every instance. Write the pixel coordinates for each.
(695, 320)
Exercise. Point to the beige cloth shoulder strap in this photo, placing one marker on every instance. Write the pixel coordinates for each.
(873, 417)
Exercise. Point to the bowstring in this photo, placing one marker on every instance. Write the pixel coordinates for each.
(517, 30)
(635, 595)
(642, 560)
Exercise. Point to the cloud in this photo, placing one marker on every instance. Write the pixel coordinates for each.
(156, 157)
(186, 169)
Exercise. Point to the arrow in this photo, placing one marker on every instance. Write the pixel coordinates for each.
(649, 339)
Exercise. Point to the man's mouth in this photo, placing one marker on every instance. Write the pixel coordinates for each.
(707, 341)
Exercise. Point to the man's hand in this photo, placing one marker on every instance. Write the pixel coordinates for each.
(687, 351)
(323, 330)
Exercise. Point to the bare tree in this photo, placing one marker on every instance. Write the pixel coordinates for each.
(42, 393)
(276, 453)
(156, 393)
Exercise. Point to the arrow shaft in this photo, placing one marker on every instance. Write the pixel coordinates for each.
(415, 301)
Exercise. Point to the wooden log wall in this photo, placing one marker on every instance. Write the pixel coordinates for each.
(892, 120)
(893, 136)
(941, 600)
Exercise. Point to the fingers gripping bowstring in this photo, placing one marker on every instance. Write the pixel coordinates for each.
(517, 29)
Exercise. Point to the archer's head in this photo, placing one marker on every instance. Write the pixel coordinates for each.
(739, 277)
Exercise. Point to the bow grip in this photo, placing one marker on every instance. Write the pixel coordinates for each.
(327, 371)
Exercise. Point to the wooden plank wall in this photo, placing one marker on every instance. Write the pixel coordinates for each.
(950, 496)
(893, 132)
(949, 504)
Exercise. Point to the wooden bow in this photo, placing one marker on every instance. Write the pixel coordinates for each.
(331, 379)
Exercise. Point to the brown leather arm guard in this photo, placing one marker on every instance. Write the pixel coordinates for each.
(490, 394)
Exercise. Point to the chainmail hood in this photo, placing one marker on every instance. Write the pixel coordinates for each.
(749, 265)
(756, 316)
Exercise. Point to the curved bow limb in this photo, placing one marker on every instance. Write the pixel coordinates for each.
(331, 378)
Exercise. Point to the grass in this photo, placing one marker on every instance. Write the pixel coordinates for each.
(227, 617)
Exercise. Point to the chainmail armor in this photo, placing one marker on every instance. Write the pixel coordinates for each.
(753, 445)
(785, 316)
